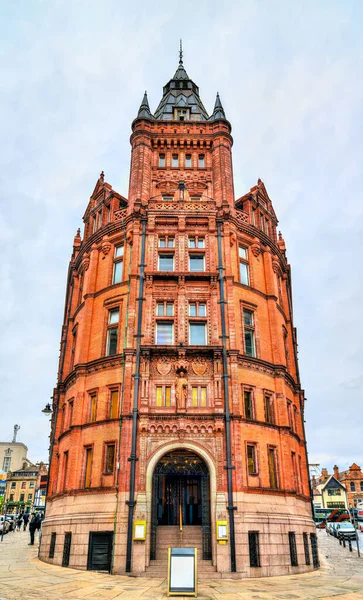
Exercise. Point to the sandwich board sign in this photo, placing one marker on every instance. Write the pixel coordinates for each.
(182, 572)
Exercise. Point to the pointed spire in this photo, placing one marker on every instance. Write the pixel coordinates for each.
(218, 112)
(181, 53)
(144, 110)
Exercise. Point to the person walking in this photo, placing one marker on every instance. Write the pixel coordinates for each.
(32, 528)
(19, 521)
(25, 520)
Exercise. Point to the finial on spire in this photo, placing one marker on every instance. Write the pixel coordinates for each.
(144, 110)
(181, 53)
(218, 112)
(102, 176)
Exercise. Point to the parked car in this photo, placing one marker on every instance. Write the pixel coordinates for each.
(330, 527)
(4, 525)
(346, 531)
(11, 519)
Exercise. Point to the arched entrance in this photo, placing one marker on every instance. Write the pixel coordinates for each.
(181, 491)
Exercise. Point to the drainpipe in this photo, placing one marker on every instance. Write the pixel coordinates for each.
(135, 412)
(227, 415)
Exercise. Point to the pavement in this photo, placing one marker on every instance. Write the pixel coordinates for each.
(24, 577)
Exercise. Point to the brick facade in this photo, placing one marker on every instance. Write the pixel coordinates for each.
(181, 186)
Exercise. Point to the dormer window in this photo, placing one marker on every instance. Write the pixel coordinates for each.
(181, 114)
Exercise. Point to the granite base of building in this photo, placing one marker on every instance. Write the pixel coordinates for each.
(283, 524)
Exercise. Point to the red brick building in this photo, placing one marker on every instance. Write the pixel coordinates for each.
(352, 479)
(178, 400)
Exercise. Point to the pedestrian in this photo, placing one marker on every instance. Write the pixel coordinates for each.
(32, 528)
(19, 521)
(39, 521)
(25, 520)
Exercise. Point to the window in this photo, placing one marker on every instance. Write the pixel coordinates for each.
(118, 264)
(6, 463)
(293, 550)
(248, 404)
(188, 161)
(166, 242)
(175, 161)
(361, 486)
(11, 497)
(163, 395)
(113, 404)
(73, 348)
(290, 414)
(352, 486)
(294, 472)
(94, 224)
(23, 485)
(164, 309)
(166, 262)
(306, 548)
(272, 467)
(196, 242)
(110, 459)
(70, 412)
(112, 331)
(92, 408)
(199, 396)
(108, 213)
(197, 334)
(31, 484)
(161, 160)
(164, 333)
(52, 545)
(196, 262)
(80, 289)
(13, 484)
(269, 409)
(197, 309)
(65, 469)
(22, 496)
(99, 219)
(251, 459)
(168, 198)
(249, 332)
(254, 548)
(243, 265)
(334, 492)
(201, 161)
(88, 467)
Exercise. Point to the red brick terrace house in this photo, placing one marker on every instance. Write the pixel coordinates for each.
(178, 400)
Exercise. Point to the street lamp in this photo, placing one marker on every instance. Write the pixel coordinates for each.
(47, 410)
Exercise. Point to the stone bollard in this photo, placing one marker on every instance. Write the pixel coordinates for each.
(350, 545)
(344, 542)
(340, 541)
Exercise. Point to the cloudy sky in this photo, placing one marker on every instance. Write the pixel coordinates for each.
(290, 79)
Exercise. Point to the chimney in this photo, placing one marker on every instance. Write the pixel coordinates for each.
(336, 472)
(324, 474)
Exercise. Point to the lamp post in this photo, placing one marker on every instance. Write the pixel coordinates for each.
(47, 410)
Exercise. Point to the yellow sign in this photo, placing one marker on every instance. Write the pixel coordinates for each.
(139, 531)
(222, 532)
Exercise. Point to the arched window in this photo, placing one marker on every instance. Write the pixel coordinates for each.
(361, 486)
(352, 486)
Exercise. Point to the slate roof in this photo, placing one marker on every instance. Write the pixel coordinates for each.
(181, 92)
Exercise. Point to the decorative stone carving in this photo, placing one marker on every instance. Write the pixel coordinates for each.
(106, 246)
(163, 367)
(181, 390)
(199, 366)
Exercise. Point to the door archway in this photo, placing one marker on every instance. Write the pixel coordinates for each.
(181, 492)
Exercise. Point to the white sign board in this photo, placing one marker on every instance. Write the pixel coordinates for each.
(182, 572)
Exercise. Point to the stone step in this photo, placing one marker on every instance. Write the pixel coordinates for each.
(162, 574)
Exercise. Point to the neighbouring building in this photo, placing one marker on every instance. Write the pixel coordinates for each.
(352, 479)
(13, 455)
(178, 400)
(20, 489)
(328, 492)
